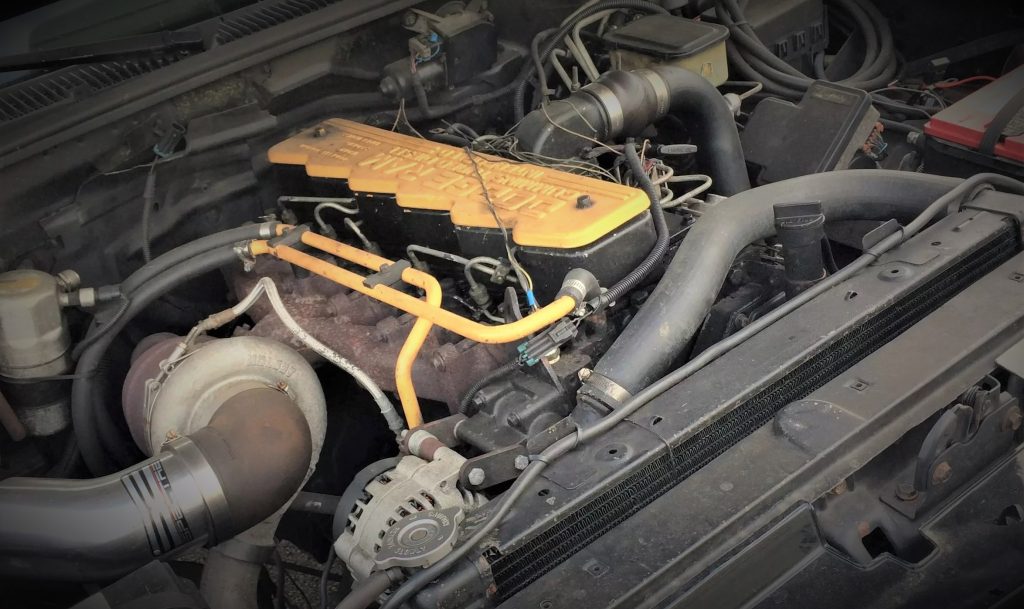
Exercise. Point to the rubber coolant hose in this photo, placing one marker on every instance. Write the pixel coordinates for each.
(673, 314)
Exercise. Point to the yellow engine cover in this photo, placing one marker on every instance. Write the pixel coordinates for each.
(536, 203)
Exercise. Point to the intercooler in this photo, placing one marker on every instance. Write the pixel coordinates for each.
(595, 490)
(518, 568)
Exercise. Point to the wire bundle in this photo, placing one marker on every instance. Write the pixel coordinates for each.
(753, 60)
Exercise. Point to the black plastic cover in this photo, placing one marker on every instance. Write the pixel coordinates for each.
(794, 30)
(667, 36)
(823, 132)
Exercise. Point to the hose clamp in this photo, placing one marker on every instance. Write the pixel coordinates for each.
(268, 230)
(612, 107)
(661, 92)
(211, 493)
(604, 390)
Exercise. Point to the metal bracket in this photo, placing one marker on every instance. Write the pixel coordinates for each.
(445, 430)
(876, 236)
(389, 274)
(955, 452)
(289, 238)
(498, 466)
(550, 435)
(998, 203)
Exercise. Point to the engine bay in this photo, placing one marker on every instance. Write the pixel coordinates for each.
(474, 304)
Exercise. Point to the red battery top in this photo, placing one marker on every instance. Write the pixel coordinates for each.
(966, 121)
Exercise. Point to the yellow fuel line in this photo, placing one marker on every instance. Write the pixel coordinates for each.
(428, 311)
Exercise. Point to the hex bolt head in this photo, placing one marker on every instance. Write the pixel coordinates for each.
(584, 374)
(906, 492)
(584, 202)
(941, 473)
(68, 280)
(476, 476)
(320, 131)
(437, 361)
(1013, 420)
(521, 462)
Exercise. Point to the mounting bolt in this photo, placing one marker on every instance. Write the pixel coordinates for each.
(906, 492)
(320, 131)
(513, 420)
(476, 476)
(1013, 420)
(409, 19)
(521, 462)
(941, 473)
(840, 488)
(437, 361)
(68, 280)
(584, 374)
(584, 202)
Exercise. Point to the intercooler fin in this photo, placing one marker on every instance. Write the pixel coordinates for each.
(519, 567)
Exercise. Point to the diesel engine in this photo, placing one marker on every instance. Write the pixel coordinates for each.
(548, 305)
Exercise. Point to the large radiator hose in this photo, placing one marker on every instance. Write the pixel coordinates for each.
(205, 487)
(661, 332)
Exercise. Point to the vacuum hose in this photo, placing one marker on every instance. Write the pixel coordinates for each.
(673, 314)
(205, 487)
(622, 103)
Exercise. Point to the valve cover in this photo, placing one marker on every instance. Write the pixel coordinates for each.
(537, 204)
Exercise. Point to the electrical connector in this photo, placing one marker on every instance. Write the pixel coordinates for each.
(559, 333)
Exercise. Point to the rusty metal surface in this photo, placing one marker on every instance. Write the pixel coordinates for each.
(368, 333)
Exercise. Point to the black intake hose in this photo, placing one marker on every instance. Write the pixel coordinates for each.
(663, 328)
(205, 487)
(622, 104)
(546, 41)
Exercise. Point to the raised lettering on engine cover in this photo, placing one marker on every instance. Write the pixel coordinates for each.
(538, 204)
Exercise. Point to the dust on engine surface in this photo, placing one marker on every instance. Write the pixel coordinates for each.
(540, 206)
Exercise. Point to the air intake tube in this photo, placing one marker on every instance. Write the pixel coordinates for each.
(206, 487)
(661, 332)
(622, 103)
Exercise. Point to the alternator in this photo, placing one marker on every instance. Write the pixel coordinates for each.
(406, 516)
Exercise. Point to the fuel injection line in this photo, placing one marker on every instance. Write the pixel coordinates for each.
(577, 287)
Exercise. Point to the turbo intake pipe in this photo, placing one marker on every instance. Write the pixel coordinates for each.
(622, 104)
(205, 487)
(235, 430)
